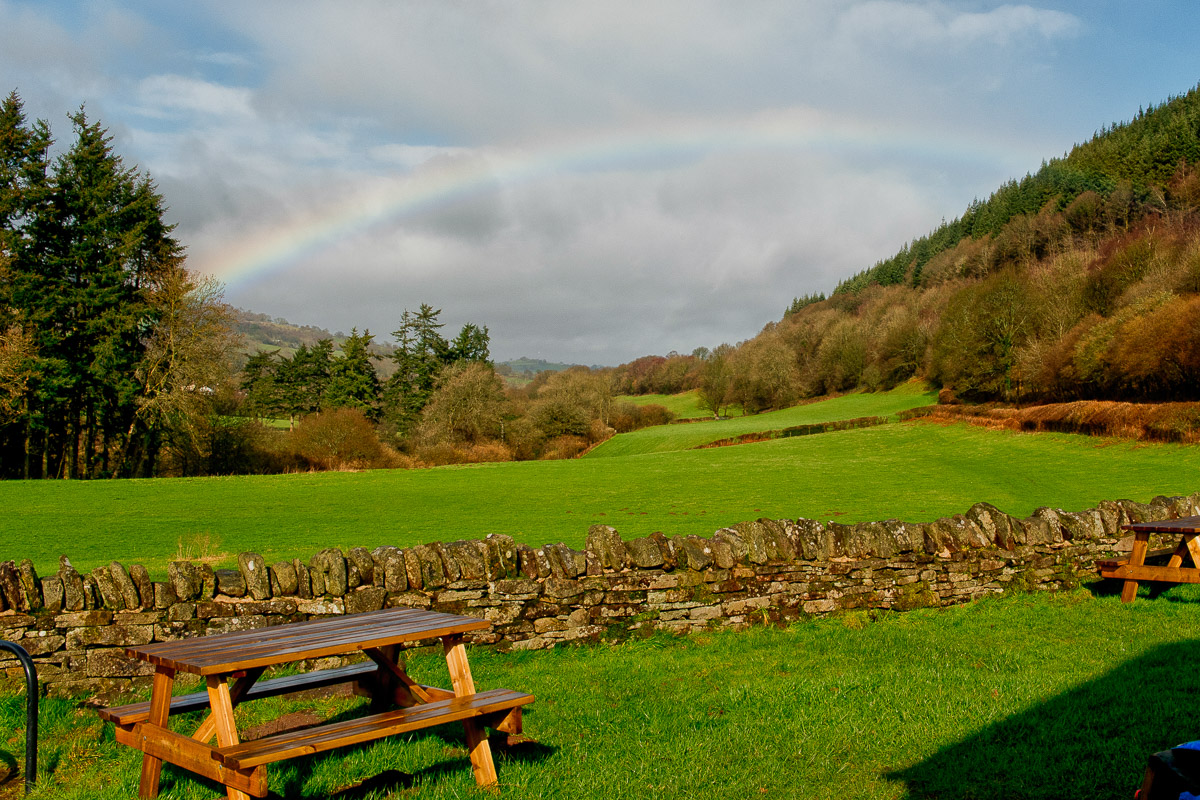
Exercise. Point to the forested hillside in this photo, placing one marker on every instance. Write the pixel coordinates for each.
(1079, 281)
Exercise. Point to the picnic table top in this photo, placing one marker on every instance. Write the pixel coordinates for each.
(1181, 525)
(224, 653)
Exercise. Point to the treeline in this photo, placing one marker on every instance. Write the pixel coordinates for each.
(443, 404)
(108, 347)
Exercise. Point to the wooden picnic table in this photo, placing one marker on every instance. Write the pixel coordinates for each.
(1136, 569)
(232, 663)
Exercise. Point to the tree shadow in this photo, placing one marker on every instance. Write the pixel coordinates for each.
(1090, 742)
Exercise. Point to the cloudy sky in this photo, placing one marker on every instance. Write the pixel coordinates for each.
(594, 181)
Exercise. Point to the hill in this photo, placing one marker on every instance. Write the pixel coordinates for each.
(1079, 281)
(262, 332)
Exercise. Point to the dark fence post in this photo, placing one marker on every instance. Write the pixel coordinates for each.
(31, 711)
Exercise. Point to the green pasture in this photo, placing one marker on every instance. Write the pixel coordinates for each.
(685, 405)
(1027, 697)
(917, 471)
(667, 438)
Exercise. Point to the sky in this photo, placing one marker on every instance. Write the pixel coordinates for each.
(593, 181)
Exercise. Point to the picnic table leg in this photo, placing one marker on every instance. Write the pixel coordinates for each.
(160, 711)
(477, 742)
(222, 715)
(208, 727)
(1137, 558)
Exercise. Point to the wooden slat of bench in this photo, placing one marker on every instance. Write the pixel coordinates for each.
(1151, 573)
(140, 712)
(1112, 563)
(365, 729)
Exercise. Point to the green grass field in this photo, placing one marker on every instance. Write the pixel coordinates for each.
(685, 405)
(1029, 697)
(669, 438)
(915, 471)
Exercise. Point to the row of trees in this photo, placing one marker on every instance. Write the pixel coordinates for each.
(108, 344)
(314, 379)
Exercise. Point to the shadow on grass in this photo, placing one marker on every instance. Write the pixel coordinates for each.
(1091, 742)
(1148, 590)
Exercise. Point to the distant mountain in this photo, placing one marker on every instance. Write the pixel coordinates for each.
(264, 332)
(531, 366)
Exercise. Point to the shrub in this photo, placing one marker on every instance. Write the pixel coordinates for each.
(561, 447)
(340, 439)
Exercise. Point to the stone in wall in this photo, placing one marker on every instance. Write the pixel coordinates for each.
(11, 589)
(29, 584)
(142, 583)
(125, 586)
(815, 542)
(363, 564)
(303, 579)
(606, 549)
(230, 582)
(52, 595)
(995, 524)
(644, 553)
(254, 573)
(430, 570)
(110, 595)
(390, 572)
(502, 553)
(284, 582)
(185, 579)
(72, 583)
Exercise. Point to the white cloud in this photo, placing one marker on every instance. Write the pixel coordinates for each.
(899, 25)
(162, 95)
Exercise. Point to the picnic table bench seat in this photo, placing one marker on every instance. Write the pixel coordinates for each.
(491, 707)
(1113, 563)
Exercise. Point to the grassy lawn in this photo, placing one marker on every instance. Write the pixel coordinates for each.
(685, 405)
(1026, 697)
(915, 471)
(669, 438)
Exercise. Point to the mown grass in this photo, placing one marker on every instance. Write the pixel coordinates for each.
(913, 471)
(670, 438)
(1024, 697)
(685, 405)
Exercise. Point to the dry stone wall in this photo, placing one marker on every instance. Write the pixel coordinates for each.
(76, 626)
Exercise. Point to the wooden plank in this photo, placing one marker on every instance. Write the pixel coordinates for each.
(388, 664)
(364, 729)
(1133, 574)
(1192, 542)
(1181, 525)
(222, 712)
(197, 757)
(236, 693)
(1137, 557)
(228, 652)
(385, 623)
(181, 704)
(160, 710)
(478, 748)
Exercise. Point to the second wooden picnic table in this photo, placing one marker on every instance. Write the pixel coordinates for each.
(232, 663)
(1136, 569)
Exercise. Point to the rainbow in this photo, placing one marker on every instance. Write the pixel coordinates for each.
(269, 250)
